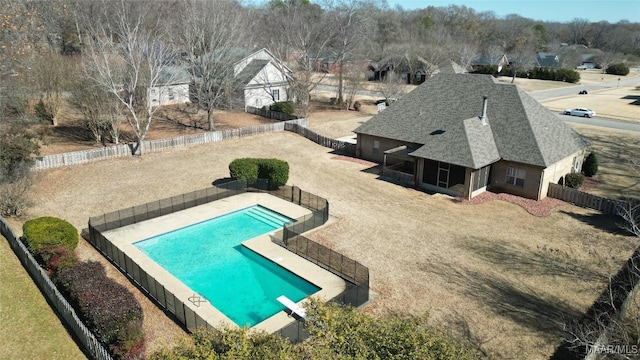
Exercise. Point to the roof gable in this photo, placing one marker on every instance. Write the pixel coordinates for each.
(521, 129)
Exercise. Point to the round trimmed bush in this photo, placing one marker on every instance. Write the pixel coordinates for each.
(108, 308)
(245, 169)
(274, 170)
(574, 180)
(49, 232)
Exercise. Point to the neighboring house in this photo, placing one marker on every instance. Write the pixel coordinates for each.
(547, 60)
(499, 60)
(414, 70)
(461, 134)
(172, 87)
(450, 67)
(260, 77)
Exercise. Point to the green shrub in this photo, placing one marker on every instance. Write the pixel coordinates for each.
(574, 180)
(274, 170)
(618, 69)
(42, 112)
(245, 169)
(590, 165)
(336, 332)
(49, 232)
(283, 107)
(561, 74)
(106, 307)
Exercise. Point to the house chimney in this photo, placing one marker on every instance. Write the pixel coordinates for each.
(483, 117)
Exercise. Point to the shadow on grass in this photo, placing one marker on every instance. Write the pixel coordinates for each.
(539, 312)
(540, 262)
(604, 222)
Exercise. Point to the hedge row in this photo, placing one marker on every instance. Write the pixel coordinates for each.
(618, 69)
(251, 169)
(106, 307)
(542, 73)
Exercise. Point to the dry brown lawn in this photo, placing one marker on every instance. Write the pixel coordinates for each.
(491, 271)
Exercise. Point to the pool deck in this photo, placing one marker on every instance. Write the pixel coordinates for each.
(124, 237)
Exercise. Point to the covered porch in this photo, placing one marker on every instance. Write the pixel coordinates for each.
(399, 166)
(451, 179)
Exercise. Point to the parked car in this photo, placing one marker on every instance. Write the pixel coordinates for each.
(581, 67)
(583, 92)
(580, 112)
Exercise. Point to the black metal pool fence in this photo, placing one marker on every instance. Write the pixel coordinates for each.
(356, 275)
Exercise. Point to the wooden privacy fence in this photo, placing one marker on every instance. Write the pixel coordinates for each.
(339, 145)
(583, 199)
(151, 146)
(65, 312)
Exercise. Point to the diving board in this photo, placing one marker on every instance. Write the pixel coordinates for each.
(293, 307)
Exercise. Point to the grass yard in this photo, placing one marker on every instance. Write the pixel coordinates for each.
(30, 330)
(618, 177)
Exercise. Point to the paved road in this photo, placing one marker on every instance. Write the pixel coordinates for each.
(603, 122)
(573, 90)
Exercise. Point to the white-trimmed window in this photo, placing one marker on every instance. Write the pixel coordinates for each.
(516, 177)
(576, 165)
(276, 95)
(170, 93)
(376, 146)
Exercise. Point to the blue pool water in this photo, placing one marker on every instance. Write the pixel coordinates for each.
(208, 257)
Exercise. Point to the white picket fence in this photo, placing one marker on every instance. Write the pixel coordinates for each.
(152, 146)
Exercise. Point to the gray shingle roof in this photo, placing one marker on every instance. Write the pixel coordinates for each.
(519, 128)
(250, 71)
(172, 75)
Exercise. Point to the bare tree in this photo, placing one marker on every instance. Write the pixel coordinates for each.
(464, 54)
(299, 34)
(51, 74)
(127, 60)
(345, 17)
(209, 33)
(391, 87)
(354, 79)
(579, 28)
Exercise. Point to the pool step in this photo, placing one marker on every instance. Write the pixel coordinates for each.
(268, 217)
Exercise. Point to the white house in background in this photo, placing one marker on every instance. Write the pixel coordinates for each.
(172, 87)
(260, 77)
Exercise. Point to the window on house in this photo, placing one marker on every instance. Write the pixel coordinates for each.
(575, 167)
(481, 178)
(376, 146)
(276, 95)
(516, 177)
(170, 93)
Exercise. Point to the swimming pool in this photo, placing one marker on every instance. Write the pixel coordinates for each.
(210, 259)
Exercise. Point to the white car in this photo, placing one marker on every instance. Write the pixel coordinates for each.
(584, 112)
